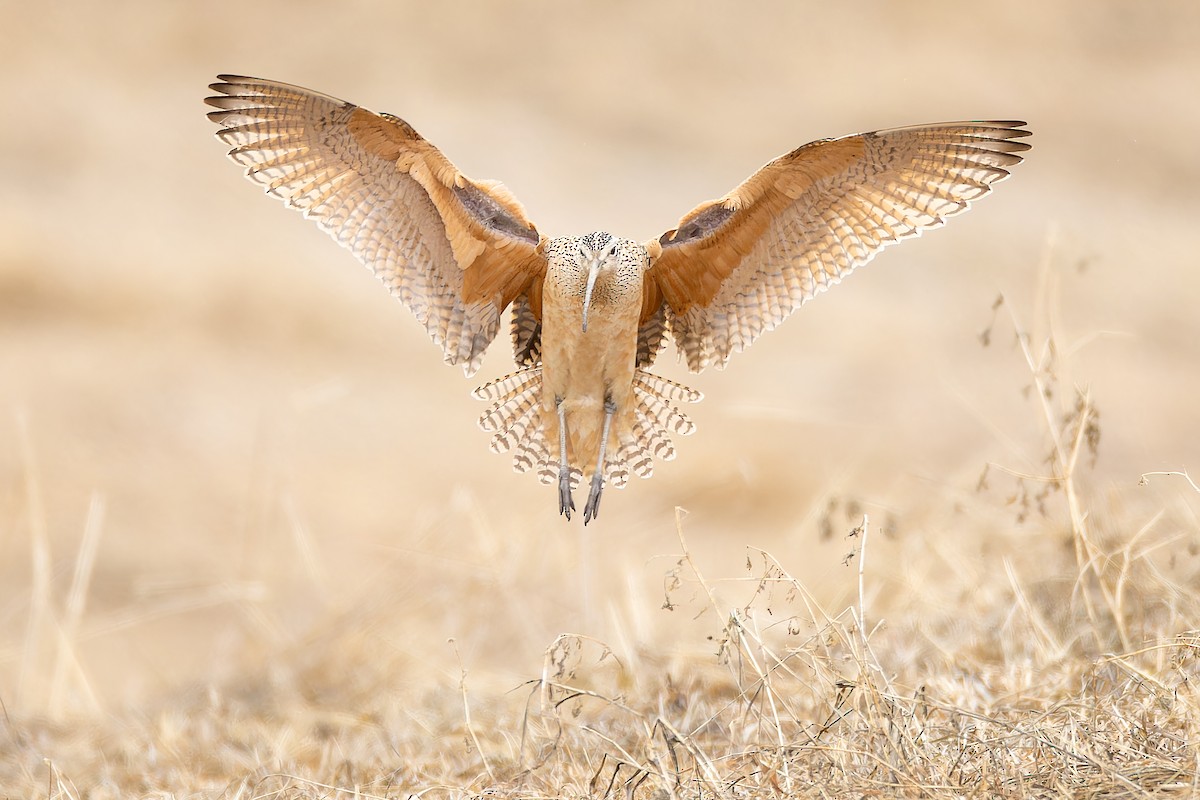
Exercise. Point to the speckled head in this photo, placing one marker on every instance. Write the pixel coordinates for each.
(596, 241)
(621, 261)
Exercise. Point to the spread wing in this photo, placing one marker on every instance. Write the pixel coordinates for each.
(739, 266)
(457, 252)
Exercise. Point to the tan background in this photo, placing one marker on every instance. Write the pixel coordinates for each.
(275, 450)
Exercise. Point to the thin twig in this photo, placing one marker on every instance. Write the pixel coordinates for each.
(462, 687)
(687, 555)
(1145, 479)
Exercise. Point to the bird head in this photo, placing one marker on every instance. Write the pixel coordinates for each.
(621, 260)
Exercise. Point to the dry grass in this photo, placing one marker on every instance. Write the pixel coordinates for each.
(1066, 667)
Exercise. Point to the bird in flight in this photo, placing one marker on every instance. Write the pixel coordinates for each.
(591, 313)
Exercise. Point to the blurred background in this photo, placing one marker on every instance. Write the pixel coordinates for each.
(220, 438)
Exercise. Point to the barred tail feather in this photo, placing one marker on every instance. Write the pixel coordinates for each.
(515, 420)
(527, 421)
(654, 399)
(656, 417)
(531, 452)
(510, 385)
(664, 388)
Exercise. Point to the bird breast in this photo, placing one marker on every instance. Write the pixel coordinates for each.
(585, 369)
(588, 362)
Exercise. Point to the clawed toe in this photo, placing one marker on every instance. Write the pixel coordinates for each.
(592, 509)
(566, 503)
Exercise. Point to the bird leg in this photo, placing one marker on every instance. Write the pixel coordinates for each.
(566, 504)
(592, 509)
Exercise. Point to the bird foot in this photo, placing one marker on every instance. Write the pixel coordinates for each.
(592, 509)
(566, 503)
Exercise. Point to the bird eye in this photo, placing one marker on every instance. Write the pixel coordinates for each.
(612, 251)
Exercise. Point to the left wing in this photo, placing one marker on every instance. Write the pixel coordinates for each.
(457, 252)
(739, 266)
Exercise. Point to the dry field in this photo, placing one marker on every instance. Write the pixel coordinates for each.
(252, 544)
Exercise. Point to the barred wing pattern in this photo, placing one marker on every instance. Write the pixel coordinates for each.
(457, 252)
(739, 266)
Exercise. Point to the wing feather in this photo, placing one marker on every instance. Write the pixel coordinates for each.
(457, 252)
(737, 267)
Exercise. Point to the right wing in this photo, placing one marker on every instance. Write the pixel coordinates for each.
(457, 252)
(736, 267)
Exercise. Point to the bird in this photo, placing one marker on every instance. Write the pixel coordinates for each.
(591, 313)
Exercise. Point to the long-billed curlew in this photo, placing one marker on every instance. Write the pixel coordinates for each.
(589, 313)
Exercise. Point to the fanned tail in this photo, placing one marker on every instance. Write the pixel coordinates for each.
(514, 409)
(515, 421)
(656, 417)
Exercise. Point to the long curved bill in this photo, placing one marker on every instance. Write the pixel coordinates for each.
(593, 271)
